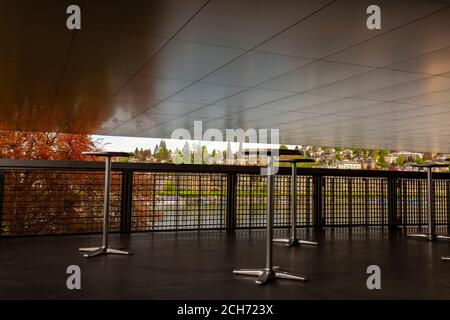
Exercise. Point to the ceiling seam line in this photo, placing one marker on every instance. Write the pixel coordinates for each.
(61, 78)
(331, 83)
(280, 99)
(335, 113)
(237, 57)
(151, 58)
(299, 68)
(360, 117)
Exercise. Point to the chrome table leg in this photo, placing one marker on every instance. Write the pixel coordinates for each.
(270, 271)
(292, 240)
(104, 248)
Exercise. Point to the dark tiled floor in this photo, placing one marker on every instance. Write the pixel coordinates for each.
(198, 265)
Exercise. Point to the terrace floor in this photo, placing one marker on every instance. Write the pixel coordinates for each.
(198, 265)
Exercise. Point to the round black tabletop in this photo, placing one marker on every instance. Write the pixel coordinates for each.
(106, 153)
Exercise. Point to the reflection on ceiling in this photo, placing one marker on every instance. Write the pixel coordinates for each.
(309, 68)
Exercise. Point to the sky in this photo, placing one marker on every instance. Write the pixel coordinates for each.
(129, 144)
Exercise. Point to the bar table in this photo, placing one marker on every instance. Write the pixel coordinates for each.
(269, 271)
(431, 230)
(105, 248)
(292, 239)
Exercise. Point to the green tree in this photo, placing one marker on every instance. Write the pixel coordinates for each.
(229, 153)
(213, 156)
(162, 153)
(381, 161)
(357, 152)
(187, 156)
(401, 160)
(375, 154)
(420, 160)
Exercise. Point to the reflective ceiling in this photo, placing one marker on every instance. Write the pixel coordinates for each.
(310, 68)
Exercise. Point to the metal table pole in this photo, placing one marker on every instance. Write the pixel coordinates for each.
(292, 240)
(104, 248)
(431, 225)
(430, 205)
(430, 234)
(269, 271)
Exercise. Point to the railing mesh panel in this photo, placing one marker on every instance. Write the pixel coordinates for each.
(178, 201)
(412, 201)
(57, 202)
(252, 201)
(355, 201)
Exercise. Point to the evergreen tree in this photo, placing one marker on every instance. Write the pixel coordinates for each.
(163, 154)
(205, 155)
(187, 157)
(229, 153)
(240, 155)
(213, 156)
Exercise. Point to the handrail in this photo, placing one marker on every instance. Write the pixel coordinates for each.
(201, 168)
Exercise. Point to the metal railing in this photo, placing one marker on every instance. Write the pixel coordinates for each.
(65, 197)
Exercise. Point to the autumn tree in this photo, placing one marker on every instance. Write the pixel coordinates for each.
(49, 201)
(44, 146)
(55, 201)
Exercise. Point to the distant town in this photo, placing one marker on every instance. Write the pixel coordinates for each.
(325, 157)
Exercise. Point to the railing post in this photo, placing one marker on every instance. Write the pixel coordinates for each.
(231, 201)
(350, 201)
(447, 183)
(126, 201)
(317, 200)
(2, 184)
(392, 203)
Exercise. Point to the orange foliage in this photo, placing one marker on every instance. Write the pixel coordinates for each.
(57, 201)
(50, 201)
(44, 146)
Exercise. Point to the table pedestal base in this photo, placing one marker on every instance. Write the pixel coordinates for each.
(97, 251)
(270, 271)
(265, 275)
(291, 242)
(428, 236)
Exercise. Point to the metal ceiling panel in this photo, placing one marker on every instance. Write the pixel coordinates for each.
(310, 68)
(425, 35)
(256, 67)
(313, 76)
(188, 61)
(245, 23)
